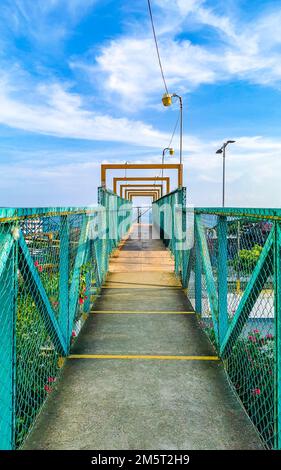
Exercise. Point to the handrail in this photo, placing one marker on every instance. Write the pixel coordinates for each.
(53, 262)
(263, 213)
(232, 273)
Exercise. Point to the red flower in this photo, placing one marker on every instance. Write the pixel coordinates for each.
(256, 391)
(52, 379)
(36, 263)
(40, 269)
(269, 336)
(256, 331)
(253, 339)
(81, 301)
(73, 334)
(47, 388)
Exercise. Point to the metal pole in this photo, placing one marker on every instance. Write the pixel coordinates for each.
(126, 163)
(223, 177)
(162, 172)
(181, 128)
(277, 325)
(238, 283)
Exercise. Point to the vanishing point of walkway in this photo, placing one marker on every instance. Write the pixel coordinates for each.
(160, 386)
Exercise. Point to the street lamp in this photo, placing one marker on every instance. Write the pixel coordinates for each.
(222, 151)
(167, 100)
(171, 152)
(126, 163)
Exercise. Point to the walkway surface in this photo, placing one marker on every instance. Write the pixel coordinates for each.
(154, 402)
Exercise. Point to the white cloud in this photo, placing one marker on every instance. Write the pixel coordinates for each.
(253, 168)
(44, 21)
(53, 110)
(127, 67)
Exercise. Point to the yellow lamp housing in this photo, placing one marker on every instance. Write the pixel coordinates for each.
(171, 151)
(167, 99)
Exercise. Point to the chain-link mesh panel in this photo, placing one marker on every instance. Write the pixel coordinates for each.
(51, 266)
(37, 359)
(233, 284)
(42, 236)
(8, 267)
(37, 349)
(250, 364)
(191, 278)
(170, 218)
(249, 353)
(209, 226)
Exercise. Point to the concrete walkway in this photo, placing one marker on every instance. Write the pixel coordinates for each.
(165, 401)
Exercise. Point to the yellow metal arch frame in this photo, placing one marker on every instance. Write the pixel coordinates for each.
(155, 192)
(152, 194)
(165, 179)
(142, 186)
(141, 166)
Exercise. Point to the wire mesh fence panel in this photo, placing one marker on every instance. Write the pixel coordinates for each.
(250, 364)
(234, 284)
(42, 239)
(51, 265)
(249, 346)
(209, 261)
(8, 270)
(37, 360)
(191, 279)
(169, 217)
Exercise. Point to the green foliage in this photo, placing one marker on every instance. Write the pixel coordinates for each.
(245, 261)
(37, 364)
(85, 271)
(250, 368)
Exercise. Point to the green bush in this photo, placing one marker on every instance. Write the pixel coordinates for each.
(245, 260)
(251, 369)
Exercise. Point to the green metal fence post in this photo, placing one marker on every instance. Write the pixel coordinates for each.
(87, 303)
(64, 278)
(161, 217)
(184, 252)
(8, 296)
(88, 278)
(198, 273)
(79, 261)
(222, 278)
(277, 316)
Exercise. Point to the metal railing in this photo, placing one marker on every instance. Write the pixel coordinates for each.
(53, 262)
(232, 272)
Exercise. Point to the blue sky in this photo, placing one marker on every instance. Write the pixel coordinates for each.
(80, 85)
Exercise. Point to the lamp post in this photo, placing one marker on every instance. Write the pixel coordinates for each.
(222, 151)
(171, 152)
(167, 100)
(126, 163)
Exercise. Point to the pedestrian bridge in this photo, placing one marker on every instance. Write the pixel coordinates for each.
(124, 335)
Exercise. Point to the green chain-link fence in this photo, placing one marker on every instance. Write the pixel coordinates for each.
(173, 222)
(233, 274)
(52, 264)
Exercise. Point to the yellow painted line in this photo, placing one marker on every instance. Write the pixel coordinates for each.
(165, 312)
(146, 357)
(129, 286)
